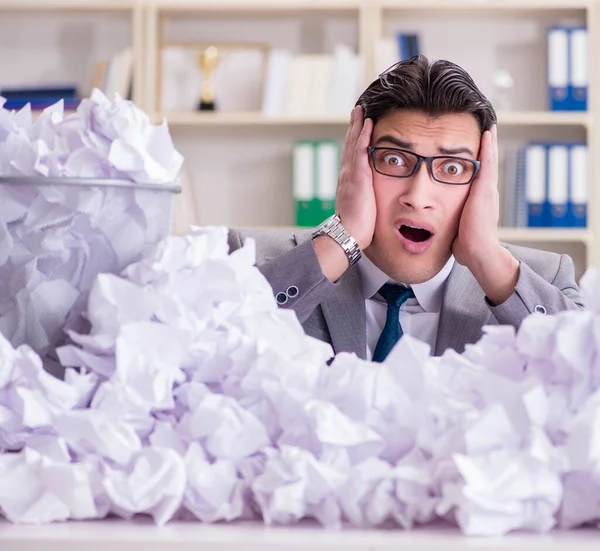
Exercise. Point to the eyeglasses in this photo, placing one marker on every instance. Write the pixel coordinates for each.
(399, 163)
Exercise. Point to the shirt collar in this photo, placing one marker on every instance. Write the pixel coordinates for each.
(429, 294)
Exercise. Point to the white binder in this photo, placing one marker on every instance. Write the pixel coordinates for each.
(558, 68)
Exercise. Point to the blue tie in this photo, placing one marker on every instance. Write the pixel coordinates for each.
(395, 296)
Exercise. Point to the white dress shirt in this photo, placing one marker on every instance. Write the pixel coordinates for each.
(419, 316)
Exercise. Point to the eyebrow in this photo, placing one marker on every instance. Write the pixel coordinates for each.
(411, 146)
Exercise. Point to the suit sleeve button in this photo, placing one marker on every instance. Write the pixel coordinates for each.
(281, 298)
(292, 291)
(539, 309)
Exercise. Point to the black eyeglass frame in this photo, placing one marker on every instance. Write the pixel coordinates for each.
(428, 160)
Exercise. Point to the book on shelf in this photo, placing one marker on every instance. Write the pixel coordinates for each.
(115, 75)
(274, 82)
(391, 50)
(315, 170)
(546, 185)
(112, 76)
(40, 96)
(312, 84)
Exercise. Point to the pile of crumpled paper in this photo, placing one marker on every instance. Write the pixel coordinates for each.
(195, 397)
(104, 138)
(82, 193)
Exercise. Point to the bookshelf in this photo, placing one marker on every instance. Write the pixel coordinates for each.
(239, 161)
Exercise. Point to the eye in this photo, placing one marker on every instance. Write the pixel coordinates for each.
(393, 159)
(453, 168)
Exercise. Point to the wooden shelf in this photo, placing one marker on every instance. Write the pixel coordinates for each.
(537, 235)
(293, 5)
(517, 118)
(246, 119)
(545, 118)
(66, 5)
(514, 5)
(327, 5)
(263, 6)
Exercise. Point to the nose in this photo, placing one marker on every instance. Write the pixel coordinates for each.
(419, 191)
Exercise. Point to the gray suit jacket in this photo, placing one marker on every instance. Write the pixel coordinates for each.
(335, 313)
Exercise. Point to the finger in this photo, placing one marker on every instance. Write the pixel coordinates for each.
(351, 136)
(357, 128)
(486, 172)
(361, 153)
(345, 148)
(495, 143)
(364, 138)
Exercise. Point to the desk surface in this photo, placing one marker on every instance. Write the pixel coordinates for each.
(120, 535)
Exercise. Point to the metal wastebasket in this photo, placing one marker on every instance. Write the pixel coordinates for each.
(56, 236)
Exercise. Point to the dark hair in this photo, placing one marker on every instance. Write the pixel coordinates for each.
(433, 87)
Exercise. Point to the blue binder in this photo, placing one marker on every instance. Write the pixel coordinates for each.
(558, 184)
(536, 182)
(402, 40)
(578, 185)
(578, 68)
(408, 45)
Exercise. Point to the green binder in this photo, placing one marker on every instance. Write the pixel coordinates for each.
(315, 169)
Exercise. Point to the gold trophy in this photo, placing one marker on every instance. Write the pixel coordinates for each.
(207, 62)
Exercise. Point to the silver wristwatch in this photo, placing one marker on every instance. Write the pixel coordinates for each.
(334, 229)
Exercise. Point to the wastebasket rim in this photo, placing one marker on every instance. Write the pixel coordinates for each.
(65, 181)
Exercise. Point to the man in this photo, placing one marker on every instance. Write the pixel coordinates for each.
(413, 248)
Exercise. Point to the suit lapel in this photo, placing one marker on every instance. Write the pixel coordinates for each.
(345, 315)
(464, 312)
(344, 312)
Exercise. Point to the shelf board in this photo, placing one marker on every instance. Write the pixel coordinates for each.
(517, 118)
(503, 5)
(328, 5)
(557, 235)
(246, 119)
(264, 6)
(66, 5)
(544, 118)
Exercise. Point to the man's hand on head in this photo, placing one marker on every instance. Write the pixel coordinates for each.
(355, 198)
(477, 245)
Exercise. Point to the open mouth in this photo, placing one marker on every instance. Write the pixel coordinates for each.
(418, 235)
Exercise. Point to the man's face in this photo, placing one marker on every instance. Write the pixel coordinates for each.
(403, 253)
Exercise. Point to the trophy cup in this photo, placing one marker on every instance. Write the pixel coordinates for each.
(207, 62)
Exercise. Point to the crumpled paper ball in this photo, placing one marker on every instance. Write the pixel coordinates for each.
(193, 396)
(82, 194)
(106, 138)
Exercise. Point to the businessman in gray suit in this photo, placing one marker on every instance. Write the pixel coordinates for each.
(413, 246)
